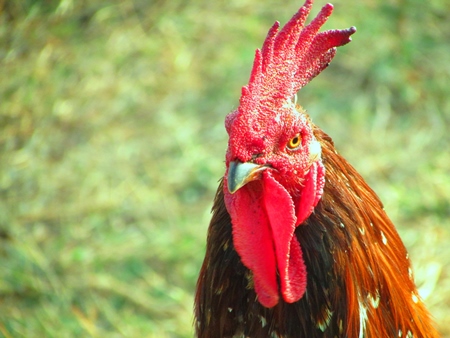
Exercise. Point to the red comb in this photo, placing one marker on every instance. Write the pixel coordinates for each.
(289, 59)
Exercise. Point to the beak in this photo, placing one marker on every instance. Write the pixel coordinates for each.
(239, 174)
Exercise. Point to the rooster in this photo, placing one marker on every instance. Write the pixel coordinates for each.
(299, 245)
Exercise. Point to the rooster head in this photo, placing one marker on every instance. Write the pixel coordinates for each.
(275, 176)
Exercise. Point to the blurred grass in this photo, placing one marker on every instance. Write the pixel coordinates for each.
(112, 142)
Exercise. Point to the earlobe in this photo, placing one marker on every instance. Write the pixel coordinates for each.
(315, 151)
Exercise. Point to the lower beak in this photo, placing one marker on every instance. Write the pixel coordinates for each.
(239, 174)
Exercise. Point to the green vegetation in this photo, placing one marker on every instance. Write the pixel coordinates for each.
(112, 142)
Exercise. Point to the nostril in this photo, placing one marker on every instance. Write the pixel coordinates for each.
(255, 156)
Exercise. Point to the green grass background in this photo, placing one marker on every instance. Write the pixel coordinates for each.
(112, 143)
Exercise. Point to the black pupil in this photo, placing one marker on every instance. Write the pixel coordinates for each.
(295, 140)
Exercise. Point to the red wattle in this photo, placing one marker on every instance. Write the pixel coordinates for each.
(264, 221)
(281, 213)
(252, 239)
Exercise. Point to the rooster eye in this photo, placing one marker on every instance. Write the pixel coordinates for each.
(294, 142)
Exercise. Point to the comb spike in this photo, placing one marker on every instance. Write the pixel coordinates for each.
(293, 27)
(319, 58)
(267, 48)
(316, 67)
(250, 93)
(255, 75)
(333, 38)
(310, 31)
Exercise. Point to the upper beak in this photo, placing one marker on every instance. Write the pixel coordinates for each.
(239, 174)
